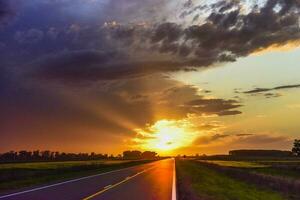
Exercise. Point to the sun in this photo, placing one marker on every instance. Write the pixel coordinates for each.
(164, 136)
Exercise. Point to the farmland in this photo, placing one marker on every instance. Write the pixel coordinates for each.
(198, 181)
(18, 175)
(281, 168)
(219, 179)
(241, 164)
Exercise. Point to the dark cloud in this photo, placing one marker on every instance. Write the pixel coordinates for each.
(241, 139)
(208, 126)
(58, 68)
(244, 134)
(29, 37)
(154, 46)
(265, 139)
(267, 91)
(50, 115)
(258, 90)
(229, 112)
(76, 69)
(93, 65)
(207, 91)
(228, 31)
(6, 11)
(205, 140)
(188, 4)
(272, 95)
(50, 111)
(75, 65)
(220, 107)
(287, 87)
(181, 100)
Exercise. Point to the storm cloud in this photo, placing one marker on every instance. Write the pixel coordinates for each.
(220, 107)
(5, 10)
(100, 67)
(146, 43)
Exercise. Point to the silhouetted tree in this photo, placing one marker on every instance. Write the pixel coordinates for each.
(259, 153)
(9, 156)
(37, 155)
(24, 155)
(111, 156)
(56, 155)
(46, 155)
(135, 155)
(296, 148)
(148, 155)
(132, 154)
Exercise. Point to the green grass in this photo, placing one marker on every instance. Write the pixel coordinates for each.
(280, 161)
(208, 183)
(285, 173)
(57, 165)
(19, 175)
(239, 164)
(287, 169)
(262, 167)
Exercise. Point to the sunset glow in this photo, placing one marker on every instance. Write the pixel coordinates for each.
(162, 84)
(177, 77)
(165, 136)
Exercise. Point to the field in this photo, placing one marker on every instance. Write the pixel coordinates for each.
(18, 175)
(197, 181)
(218, 179)
(240, 164)
(58, 165)
(284, 168)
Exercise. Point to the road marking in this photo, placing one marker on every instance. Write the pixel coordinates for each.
(108, 186)
(62, 183)
(117, 184)
(174, 193)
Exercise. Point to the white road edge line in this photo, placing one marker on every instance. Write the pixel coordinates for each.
(61, 183)
(174, 193)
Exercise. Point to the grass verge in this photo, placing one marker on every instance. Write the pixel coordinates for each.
(196, 181)
(15, 176)
(239, 164)
(284, 169)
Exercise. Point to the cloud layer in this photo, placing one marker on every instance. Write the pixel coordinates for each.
(226, 34)
(261, 90)
(125, 45)
(71, 68)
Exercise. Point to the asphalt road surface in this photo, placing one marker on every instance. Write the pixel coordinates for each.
(152, 181)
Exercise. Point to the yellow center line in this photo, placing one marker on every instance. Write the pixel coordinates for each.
(115, 185)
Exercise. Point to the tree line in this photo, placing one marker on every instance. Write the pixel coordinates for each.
(259, 153)
(139, 155)
(27, 156)
(295, 151)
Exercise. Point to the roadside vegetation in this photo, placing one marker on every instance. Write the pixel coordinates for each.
(240, 164)
(197, 181)
(26, 168)
(284, 168)
(243, 174)
(18, 175)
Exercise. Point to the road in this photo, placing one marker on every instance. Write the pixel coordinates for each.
(152, 181)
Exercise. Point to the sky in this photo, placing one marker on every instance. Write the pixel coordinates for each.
(173, 76)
